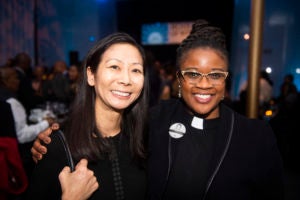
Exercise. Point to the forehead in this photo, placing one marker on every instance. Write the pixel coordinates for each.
(124, 52)
(204, 57)
(73, 68)
(205, 52)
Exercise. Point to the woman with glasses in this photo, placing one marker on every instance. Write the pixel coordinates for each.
(200, 148)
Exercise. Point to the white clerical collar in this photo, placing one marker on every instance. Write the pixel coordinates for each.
(197, 123)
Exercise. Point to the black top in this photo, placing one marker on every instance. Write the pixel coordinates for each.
(241, 157)
(44, 183)
(7, 123)
(192, 156)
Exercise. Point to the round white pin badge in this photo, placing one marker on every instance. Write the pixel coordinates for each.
(177, 130)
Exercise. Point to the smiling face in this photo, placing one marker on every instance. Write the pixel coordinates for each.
(203, 97)
(119, 79)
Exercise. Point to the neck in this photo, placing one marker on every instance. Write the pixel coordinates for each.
(108, 121)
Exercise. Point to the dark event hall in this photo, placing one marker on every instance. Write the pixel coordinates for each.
(54, 36)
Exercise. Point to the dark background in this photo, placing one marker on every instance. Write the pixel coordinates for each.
(132, 14)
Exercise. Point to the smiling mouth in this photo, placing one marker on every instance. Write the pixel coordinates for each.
(203, 96)
(124, 94)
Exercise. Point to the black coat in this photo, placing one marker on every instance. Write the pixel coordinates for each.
(248, 164)
(44, 182)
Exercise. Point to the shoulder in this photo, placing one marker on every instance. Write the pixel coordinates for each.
(162, 114)
(245, 123)
(16, 106)
(5, 108)
(13, 101)
(164, 106)
(56, 140)
(55, 149)
(253, 129)
(252, 123)
(44, 179)
(54, 160)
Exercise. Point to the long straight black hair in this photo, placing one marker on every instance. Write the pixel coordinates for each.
(81, 127)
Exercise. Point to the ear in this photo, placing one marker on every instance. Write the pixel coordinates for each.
(90, 76)
(178, 78)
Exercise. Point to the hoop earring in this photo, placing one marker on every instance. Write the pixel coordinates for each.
(179, 91)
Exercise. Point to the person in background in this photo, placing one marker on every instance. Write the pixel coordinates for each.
(25, 93)
(153, 65)
(265, 92)
(74, 78)
(264, 97)
(105, 131)
(38, 82)
(199, 148)
(9, 84)
(58, 83)
(286, 121)
(14, 180)
(9, 62)
(288, 93)
(25, 132)
(168, 77)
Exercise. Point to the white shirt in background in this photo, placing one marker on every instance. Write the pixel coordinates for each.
(25, 132)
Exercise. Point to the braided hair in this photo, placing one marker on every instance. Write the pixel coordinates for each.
(203, 35)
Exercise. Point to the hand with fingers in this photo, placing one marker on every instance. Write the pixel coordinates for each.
(78, 185)
(38, 149)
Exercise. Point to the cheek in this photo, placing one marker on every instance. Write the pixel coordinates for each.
(140, 87)
(103, 79)
(185, 87)
(138, 82)
(221, 90)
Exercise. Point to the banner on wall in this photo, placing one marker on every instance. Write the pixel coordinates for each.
(165, 33)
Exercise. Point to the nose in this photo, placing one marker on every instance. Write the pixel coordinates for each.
(203, 81)
(125, 77)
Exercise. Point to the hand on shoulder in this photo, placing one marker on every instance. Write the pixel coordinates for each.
(38, 149)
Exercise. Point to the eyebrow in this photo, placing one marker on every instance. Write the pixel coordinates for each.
(196, 69)
(118, 60)
(114, 59)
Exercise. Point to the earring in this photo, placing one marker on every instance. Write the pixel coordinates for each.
(179, 91)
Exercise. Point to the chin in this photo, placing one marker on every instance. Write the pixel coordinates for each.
(207, 111)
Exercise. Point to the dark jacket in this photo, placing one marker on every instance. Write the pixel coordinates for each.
(44, 183)
(13, 181)
(247, 164)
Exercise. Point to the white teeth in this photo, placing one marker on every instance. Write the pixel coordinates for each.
(124, 94)
(203, 96)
